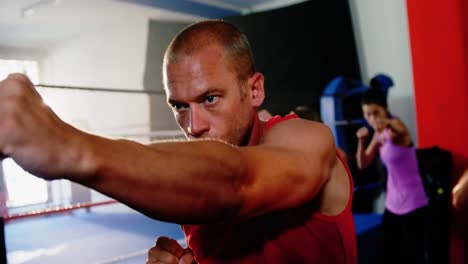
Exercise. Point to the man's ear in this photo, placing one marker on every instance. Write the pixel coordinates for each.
(257, 92)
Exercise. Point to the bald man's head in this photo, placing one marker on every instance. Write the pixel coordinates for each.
(199, 35)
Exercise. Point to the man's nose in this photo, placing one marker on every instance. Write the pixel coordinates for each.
(198, 122)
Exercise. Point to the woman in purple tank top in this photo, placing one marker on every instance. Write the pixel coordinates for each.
(404, 220)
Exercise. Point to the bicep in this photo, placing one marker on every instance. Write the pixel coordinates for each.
(286, 172)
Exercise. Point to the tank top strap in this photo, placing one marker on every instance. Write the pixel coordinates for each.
(278, 119)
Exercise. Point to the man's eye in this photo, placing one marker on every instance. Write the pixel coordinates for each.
(178, 107)
(211, 99)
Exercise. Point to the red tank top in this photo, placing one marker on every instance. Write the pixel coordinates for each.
(297, 235)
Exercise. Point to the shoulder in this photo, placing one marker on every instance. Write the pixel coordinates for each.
(297, 128)
(397, 125)
(300, 134)
(398, 129)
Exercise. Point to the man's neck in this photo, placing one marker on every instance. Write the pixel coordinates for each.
(256, 132)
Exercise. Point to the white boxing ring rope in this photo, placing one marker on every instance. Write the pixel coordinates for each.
(95, 89)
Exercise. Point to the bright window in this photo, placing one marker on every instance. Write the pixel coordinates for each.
(23, 188)
(30, 68)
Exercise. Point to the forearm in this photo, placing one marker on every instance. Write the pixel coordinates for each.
(361, 158)
(183, 182)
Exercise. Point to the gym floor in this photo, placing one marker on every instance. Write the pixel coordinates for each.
(104, 235)
(117, 234)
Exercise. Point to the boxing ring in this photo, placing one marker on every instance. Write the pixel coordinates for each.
(96, 230)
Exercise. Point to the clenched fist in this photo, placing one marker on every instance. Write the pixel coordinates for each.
(32, 134)
(362, 133)
(168, 251)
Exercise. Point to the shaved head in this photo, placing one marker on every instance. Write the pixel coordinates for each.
(196, 36)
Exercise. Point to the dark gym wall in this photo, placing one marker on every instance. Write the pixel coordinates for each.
(299, 49)
(159, 36)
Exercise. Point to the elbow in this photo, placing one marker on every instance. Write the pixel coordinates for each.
(360, 164)
(363, 161)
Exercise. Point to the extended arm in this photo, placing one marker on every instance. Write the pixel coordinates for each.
(184, 182)
(208, 180)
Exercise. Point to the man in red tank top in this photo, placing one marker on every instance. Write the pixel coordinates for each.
(245, 191)
(295, 194)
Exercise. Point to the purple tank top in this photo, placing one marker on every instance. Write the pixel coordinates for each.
(405, 191)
